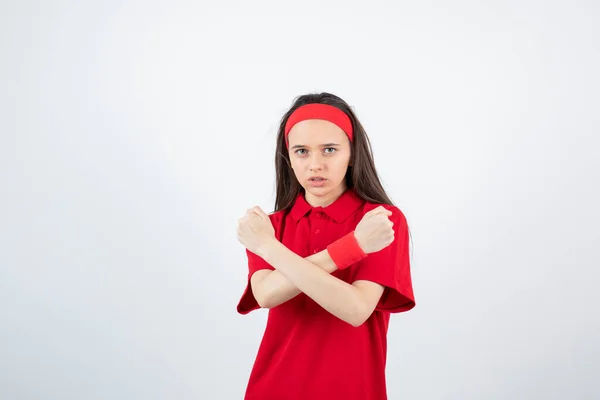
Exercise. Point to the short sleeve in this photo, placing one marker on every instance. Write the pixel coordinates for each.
(390, 267)
(248, 302)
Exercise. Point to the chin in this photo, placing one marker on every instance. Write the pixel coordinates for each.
(317, 191)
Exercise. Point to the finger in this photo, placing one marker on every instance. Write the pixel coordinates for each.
(374, 211)
(381, 210)
(254, 214)
(260, 212)
(382, 217)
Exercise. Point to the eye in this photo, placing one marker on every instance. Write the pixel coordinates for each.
(333, 150)
(298, 152)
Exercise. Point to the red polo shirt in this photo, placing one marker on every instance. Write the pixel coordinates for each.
(307, 353)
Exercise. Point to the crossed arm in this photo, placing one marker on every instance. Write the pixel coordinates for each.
(352, 303)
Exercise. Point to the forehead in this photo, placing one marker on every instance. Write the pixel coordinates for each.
(316, 131)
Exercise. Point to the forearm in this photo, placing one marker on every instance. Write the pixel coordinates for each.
(277, 289)
(334, 295)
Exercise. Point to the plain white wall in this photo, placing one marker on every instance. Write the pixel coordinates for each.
(134, 134)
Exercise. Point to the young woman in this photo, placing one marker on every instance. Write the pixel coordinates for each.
(331, 263)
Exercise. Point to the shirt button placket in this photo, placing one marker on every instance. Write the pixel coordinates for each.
(319, 215)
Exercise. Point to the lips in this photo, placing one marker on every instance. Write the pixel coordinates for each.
(317, 181)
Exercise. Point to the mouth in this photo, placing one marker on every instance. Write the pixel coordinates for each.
(317, 181)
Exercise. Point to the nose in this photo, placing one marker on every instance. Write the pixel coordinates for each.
(316, 162)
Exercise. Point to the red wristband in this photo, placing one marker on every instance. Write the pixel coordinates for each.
(345, 251)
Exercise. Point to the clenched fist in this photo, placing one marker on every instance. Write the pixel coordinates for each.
(374, 231)
(255, 229)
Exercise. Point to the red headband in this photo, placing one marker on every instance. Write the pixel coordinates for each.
(319, 111)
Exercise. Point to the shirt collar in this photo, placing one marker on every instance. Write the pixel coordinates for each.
(339, 210)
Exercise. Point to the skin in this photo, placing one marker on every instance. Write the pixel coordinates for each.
(316, 147)
(319, 147)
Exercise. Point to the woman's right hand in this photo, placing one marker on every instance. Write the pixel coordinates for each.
(374, 231)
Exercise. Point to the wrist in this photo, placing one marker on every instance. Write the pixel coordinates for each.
(358, 245)
(346, 251)
(267, 248)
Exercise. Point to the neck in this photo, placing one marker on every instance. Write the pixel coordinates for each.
(326, 198)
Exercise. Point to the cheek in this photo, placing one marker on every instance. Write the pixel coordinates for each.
(341, 165)
(296, 164)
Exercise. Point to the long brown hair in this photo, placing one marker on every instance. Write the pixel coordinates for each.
(361, 174)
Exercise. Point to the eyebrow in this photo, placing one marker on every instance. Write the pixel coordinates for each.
(324, 145)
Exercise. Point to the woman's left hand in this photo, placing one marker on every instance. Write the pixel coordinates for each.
(255, 230)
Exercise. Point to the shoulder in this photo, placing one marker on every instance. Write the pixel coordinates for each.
(277, 220)
(276, 217)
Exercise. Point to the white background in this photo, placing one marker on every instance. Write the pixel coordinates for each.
(135, 133)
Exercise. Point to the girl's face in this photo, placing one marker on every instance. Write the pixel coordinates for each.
(319, 154)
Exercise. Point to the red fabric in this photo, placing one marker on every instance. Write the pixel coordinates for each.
(320, 111)
(308, 353)
(346, 251)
